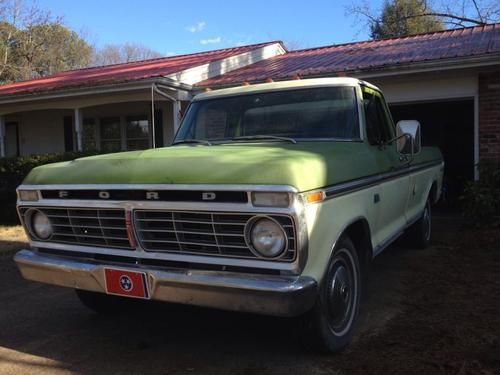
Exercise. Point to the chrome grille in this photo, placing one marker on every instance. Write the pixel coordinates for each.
(82, 226)
(203, 233)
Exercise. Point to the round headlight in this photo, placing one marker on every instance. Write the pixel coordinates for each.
(267, 237)
(41, 225)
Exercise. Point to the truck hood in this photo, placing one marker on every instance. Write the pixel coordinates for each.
(305, 165)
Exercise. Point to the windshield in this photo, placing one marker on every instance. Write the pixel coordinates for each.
(326, 112)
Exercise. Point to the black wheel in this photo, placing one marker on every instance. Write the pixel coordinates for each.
(419, 235)
(331, 321)
(101, 303)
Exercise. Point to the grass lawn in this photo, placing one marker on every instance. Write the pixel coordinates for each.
(12, 238)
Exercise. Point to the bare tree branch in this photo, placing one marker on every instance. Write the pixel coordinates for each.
(447, 15)
(123, 53)
(402, 17)
(477, 10)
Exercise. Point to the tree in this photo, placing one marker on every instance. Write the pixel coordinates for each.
(404, 17)
(123, 53)
(33, 43)
(44, 49)
(398, 19)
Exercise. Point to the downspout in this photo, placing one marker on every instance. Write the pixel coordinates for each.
(163, 93)
(153, 130)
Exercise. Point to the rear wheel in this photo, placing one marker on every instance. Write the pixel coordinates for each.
(331, 321)
(101, 303)
(419, 235)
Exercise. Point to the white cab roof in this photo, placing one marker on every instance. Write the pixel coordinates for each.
(276, 86)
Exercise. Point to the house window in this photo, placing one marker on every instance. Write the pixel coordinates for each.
(110, 134)
(137, 132)
(89, 134)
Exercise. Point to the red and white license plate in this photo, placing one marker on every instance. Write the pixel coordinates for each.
(126, 283)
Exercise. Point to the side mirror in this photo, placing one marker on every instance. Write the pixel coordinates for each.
(411, 144)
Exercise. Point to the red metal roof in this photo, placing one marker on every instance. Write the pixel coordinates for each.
(366, 55)
(123, 72)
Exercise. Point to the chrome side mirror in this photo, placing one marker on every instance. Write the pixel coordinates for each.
(411, 143)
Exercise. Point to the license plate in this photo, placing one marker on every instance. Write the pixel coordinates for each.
(126, 283)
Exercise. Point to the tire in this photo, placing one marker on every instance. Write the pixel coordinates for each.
(330, 324)
(419, 235)
(101, 303)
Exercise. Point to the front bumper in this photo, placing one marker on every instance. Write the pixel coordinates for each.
(262, 294)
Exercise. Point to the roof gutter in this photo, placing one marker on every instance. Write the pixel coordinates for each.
(144, 84)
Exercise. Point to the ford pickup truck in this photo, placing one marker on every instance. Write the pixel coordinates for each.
(273, 198)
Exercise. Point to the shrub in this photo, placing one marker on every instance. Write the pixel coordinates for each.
(481, 199)
(12, 173)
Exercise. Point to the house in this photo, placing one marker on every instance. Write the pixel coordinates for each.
(448, 80)
(111, 108)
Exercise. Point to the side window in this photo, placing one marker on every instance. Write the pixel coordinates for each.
(377, 122)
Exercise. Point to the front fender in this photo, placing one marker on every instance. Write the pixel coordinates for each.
(328, 220)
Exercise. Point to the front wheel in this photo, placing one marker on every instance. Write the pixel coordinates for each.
(332, 319)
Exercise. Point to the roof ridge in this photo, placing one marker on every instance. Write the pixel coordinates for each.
(367, 41)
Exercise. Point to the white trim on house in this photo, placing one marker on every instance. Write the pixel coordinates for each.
(417, 89)
(179, 87)
(219, 67)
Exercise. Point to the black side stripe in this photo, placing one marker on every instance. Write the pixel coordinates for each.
(365, 182)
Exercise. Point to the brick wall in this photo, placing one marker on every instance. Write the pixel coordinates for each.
(489, 117)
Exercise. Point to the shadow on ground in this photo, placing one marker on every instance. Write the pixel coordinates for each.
(46, 329)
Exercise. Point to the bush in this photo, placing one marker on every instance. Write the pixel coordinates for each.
(12, 173)
(481, 199)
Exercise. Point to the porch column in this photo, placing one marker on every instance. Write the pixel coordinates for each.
(176, 111)
(3, 151)
(79, 129)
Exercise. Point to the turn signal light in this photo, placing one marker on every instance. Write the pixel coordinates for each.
(315, 197)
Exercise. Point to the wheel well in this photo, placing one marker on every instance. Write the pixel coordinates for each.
(433, 194)
(360, 235)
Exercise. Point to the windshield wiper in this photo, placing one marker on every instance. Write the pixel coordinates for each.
(263, 137)
(202, 141)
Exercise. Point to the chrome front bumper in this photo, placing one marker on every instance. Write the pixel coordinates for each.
(262, 294)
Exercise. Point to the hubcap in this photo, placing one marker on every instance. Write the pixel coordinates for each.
(341, 294)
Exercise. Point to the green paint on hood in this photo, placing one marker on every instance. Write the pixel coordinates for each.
(305, 165)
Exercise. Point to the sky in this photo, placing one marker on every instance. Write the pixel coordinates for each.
(186, 26)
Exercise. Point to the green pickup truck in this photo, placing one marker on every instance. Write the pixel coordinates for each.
(273, 199)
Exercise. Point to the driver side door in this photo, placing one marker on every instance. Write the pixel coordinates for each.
(394, 179)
